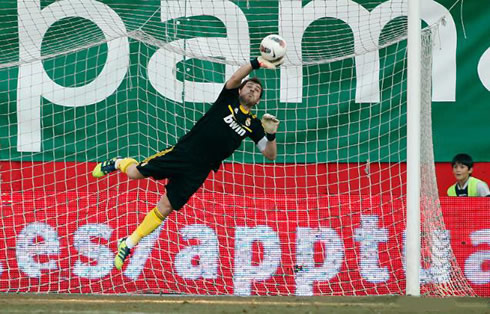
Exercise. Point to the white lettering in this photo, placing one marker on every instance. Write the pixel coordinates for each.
(228, 119)
(244, 271)
(366, 27)
(34, 83)
(29, 247)
(294, 19)
(440, 266)
(207, 253)
(370, 236)
(484, 69)
(141, 253)
(333, 257)
(234, 125)
(162, 65)
(444, 56)
(95, 252)
(473, 265)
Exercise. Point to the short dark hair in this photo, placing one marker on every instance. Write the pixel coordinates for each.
(463, 159)
(255, 80)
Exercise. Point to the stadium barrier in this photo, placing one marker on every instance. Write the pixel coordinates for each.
(274, 245)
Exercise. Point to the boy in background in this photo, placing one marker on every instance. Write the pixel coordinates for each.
(466, 185)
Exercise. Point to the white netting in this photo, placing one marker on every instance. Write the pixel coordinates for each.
(436, 247)
(83, 81)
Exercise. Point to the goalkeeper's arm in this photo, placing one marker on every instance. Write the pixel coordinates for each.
(270, 124)
(242, 72)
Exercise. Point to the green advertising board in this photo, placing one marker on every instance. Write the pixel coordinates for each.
(133, 115)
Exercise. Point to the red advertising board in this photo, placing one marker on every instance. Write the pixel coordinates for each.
(225, 244)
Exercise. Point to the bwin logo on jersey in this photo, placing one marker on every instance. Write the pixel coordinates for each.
(234, 125)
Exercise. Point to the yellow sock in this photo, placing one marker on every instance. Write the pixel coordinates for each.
(123, 164)
(152, 220)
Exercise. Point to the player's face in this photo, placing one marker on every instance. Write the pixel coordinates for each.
(250, 94)
(461, 172)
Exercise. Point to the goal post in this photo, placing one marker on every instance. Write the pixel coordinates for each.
(414, 51)
(83, 80)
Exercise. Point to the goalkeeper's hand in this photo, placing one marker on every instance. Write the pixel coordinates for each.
(266, 64)
(270, 123)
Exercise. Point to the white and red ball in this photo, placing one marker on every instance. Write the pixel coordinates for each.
(273, 47)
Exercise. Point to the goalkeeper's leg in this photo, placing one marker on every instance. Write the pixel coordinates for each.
(126, 165)
(152, 220)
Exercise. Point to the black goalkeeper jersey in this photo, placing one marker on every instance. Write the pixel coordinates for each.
(220, 131)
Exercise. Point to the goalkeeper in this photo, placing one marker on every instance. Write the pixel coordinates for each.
(212, 139)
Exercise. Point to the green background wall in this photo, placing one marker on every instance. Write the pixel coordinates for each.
(136, 120)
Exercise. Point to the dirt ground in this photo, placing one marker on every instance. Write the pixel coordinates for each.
(44, 303)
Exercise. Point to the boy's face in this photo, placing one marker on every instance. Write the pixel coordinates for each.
(461, 172)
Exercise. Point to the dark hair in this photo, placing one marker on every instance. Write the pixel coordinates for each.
(255, 80)
(463, 159)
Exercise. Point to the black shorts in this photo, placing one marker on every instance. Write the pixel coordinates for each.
(185, 176)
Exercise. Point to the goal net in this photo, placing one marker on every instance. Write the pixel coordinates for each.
(82, 81)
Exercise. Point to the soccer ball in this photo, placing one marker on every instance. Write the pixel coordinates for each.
(273, 47)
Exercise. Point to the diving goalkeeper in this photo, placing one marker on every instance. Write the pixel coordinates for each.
(211, 140)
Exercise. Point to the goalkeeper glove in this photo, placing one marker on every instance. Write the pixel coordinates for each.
(260, 62)
(270, 124)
